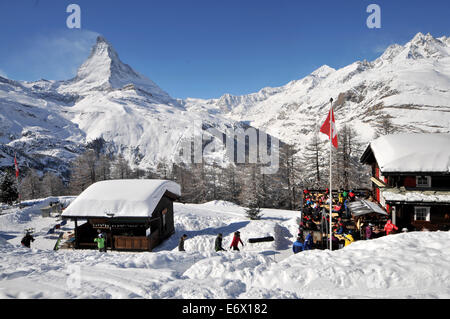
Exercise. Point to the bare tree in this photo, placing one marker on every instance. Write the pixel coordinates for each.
(31, 186)
(52, 185)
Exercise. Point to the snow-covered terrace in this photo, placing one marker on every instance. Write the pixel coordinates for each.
(402, 195)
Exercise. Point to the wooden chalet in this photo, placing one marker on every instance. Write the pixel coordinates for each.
(411, 179)
(135, 215)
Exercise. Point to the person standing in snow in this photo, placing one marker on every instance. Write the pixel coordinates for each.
(389, 227)
(100, 240)
(218, 243)
(236, 240)
(309, 242)
(27, 239)
(181, 243)
(369, 232)
(298, 245)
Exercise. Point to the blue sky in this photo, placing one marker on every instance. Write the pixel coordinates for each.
(208, 48)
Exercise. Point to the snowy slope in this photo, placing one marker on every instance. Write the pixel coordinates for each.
(32, 124)
(51, 121)
(411, 265)
(409, 84)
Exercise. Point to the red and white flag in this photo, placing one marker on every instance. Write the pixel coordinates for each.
(325, 129)
(16, 165)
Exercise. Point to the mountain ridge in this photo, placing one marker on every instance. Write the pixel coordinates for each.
(53, 120)
(416, 74)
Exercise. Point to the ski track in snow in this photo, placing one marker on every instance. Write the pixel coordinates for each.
(412, 265)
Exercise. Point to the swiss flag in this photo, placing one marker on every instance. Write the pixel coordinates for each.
(16, 165)
(325, 129)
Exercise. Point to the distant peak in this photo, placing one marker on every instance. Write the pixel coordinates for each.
(418, 36)
(323, 71)
(421, 38)
(101, 39)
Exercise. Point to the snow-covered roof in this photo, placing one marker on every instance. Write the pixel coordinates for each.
(123, 198)
(399, 195)
(414, 152)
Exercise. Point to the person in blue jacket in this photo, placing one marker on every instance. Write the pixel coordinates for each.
(298, 245)
(309, 241)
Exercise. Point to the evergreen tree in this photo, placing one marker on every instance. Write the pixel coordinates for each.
(253, 213)
(8, 189)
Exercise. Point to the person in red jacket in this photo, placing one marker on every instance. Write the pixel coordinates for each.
(389, 227)
(236, 240)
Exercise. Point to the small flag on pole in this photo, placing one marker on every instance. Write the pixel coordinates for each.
(325, 129)
(16, 165)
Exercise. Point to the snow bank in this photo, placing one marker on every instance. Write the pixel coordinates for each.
(407, 265)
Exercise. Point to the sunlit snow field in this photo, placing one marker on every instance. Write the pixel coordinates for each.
(407, 265)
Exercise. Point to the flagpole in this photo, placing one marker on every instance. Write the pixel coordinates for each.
(16, 166)
(331, 184)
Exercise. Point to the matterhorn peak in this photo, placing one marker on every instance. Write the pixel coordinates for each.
(103, 70)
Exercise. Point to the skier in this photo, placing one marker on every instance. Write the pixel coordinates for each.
(389, 227)
(218, 243)
(100, 240)
(309, 241)
(236, 240)
(27, 239)
(181, 243)
(298, 245)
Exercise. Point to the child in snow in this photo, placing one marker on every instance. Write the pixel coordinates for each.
(181, 243)
(100, 240)
(218, 243)
(236, 240)
(27, 239)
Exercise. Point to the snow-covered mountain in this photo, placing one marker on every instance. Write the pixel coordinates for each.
(409, 84)
(49, 122)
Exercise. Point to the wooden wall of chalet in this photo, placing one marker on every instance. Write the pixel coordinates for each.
(438, 221)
